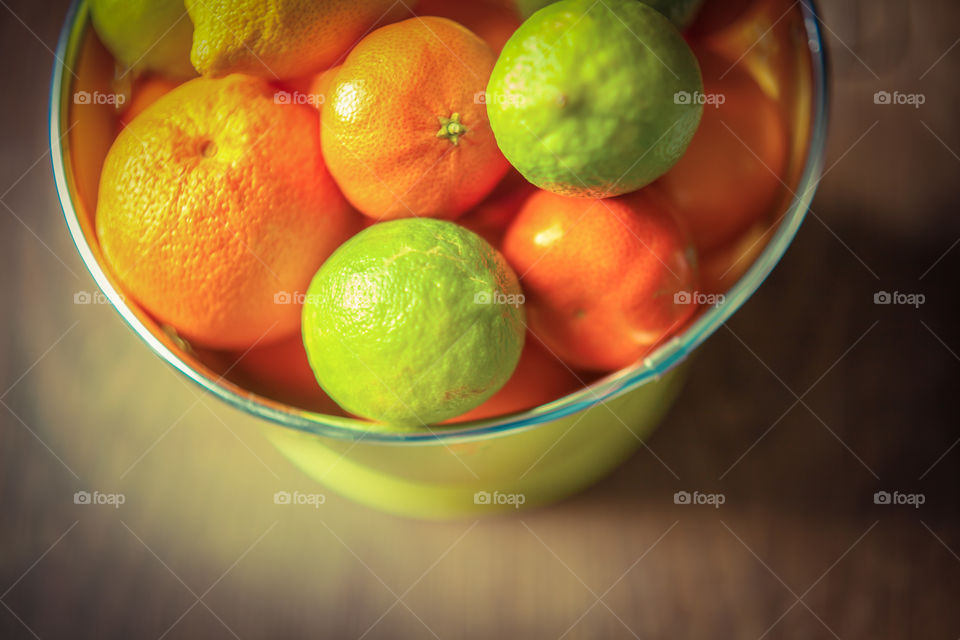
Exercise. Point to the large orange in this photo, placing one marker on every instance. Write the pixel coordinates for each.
(601, 277)
(730, 176)
(216, 209)
(405, 129)
(493, 21)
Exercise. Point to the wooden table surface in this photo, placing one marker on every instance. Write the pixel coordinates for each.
(808, 402)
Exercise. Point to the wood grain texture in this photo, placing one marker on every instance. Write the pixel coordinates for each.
(798, 550)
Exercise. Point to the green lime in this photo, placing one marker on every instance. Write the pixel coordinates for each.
(595, 99)
(413, 322)
(680, 12)
(153, 35)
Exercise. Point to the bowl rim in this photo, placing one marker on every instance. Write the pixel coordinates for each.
(662, 361)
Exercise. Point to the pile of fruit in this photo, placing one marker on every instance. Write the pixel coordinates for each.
(432, 212)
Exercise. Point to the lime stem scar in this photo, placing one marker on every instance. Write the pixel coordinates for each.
(451, 128)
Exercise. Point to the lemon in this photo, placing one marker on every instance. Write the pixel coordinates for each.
(282, 38)
(595, 99)
(153, 35)
(413, 321)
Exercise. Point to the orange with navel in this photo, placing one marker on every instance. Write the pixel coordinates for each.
(405, 130)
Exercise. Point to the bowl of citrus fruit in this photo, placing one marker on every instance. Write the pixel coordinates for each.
(455, 255)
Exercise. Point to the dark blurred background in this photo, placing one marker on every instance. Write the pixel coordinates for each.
(812, 399)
